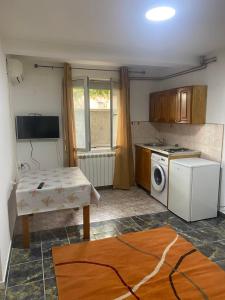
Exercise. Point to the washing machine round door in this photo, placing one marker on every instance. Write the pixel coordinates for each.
(158, 178)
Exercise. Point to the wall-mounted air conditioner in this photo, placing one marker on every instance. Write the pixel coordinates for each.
(15, 70)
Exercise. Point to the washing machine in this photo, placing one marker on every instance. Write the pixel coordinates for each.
(159, 177)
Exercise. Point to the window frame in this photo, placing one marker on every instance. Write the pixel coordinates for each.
(88, 148)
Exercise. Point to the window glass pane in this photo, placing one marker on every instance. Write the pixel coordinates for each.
(79, 110)
(99, 84)
(99, 116)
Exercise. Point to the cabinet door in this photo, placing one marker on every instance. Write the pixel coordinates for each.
(154, 108)
(164, 107)
(172, 103)
(146, 169)
(157, 108)
(143, 167)
(183, 114)
(138, 164)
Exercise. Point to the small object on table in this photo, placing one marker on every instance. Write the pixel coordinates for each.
(51, 190)
(40, 186)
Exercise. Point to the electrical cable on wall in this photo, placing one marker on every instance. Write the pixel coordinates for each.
(58, 154)
(32, 158)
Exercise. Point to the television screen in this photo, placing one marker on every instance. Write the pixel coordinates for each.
(37, 127)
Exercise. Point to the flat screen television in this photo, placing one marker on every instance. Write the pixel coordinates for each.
(37, 127)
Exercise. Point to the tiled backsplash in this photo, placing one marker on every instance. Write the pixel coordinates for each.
(206, 138)
(143, 132)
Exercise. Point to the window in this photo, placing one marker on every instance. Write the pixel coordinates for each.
(95, 105)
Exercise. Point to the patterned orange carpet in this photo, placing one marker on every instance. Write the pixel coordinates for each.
(155, 264)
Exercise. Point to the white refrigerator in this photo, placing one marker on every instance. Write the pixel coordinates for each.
(193, 188)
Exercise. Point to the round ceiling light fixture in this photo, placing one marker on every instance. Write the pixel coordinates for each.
(161, 13)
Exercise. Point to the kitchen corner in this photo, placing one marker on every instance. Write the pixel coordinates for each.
(146, 154)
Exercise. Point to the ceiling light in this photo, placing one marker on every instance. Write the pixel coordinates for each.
(160, 13)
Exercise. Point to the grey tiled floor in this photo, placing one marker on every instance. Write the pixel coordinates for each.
(31, 273)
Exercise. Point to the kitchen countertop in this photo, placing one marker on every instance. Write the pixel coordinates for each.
(162, 150)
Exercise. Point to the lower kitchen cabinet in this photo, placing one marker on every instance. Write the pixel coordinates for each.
(143, 167)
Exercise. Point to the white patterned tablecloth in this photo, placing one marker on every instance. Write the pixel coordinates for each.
(63, 188)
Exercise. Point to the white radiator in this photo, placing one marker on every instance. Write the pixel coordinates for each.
(98, 167)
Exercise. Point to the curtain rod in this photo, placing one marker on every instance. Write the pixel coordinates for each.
(88, 69)
(202, 66)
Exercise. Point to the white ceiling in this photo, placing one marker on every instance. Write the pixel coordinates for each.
(112, 31)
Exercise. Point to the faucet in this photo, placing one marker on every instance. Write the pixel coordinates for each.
(161, 141)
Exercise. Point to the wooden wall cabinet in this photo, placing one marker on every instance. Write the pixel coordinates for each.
(143, 167)
(180, 105)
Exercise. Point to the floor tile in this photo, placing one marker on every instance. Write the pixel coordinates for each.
(110, 227)
(54, 234)
(34, 291)
(48, 268)
(211, 234)
(126, 225)
(178, 224)
(126, 222)
(155, 220)
(73, 231)
(200, 224)
(25, 273)
(21, 255)
(215, 251)
(104, 235)
(221, 263)
(47, 246)
(51, 289)
(140, 223)
(35, 238)
(193, 237)
(75, 240)
(2, 294)
(128, 230)
(216, 221)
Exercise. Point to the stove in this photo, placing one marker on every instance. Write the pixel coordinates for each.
(177, 149)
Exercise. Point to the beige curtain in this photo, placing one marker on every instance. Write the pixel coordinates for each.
(70, 154)
(124, 166)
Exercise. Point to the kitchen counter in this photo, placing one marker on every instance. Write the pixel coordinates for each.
(162, 150)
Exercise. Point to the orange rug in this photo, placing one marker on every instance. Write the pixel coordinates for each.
(155, 264)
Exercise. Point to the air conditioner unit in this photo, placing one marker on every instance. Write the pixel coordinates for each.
(15, 70)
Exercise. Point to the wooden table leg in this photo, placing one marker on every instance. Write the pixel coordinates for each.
(86, 222)
(26, 233)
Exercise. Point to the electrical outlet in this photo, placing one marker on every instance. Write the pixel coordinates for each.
(21, 166)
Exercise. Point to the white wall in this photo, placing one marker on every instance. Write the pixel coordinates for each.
(7, 169)
(214, 78)
(41, 92)
(139, 99)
